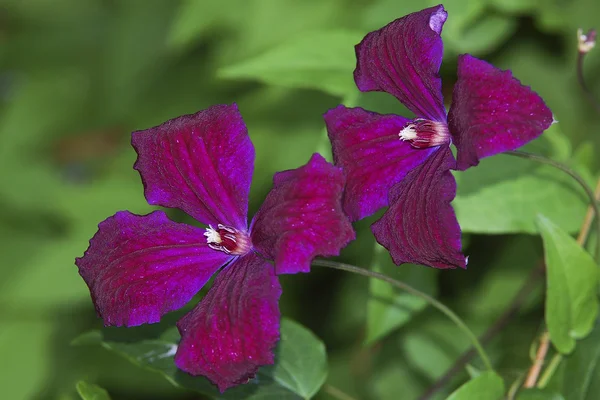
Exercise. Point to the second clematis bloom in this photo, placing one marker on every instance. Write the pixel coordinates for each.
(140, 267)
(404, 163)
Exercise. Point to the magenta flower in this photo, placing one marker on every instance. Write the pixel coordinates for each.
(403, 163)
(140, 267)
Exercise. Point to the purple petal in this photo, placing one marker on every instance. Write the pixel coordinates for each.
(302, 217)
(235, 327)
(201, 163)
(420, 226)
(141, 267)
(367, 147)
(403, 58)
(492, 112)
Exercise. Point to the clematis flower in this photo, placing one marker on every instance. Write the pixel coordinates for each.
(140, 267)
(405, 163)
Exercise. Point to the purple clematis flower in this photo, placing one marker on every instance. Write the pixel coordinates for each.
(140, 267)
(405, 164)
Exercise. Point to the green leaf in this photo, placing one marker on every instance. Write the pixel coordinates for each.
(300, 63)
(301, 360)
(539, 394)
(582, 369)
(389, 308)
(487, 386)
(572, 281)
(89, 391)
(504, 195)
(300, 368)
(473, 372)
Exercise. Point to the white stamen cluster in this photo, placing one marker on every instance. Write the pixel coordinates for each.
(408, 133)
(212, 235)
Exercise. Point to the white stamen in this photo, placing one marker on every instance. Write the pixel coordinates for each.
(408, 133)
(212, 235)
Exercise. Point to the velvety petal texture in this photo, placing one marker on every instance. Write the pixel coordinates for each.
(367, 147)
(420, 225)
(235, 327)
(403, 59)
(141, 267)
(492, 112)
(201, 163)
(302, 217)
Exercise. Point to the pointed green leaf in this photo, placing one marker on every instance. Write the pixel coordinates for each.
(473, 372)
(572, 281)
(301, 360)
(301, 63)
(89, 391)
(487, 386)
(389, 308)
(504, 195)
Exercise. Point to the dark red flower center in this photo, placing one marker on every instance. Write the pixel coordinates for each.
(228, 240)
(423, 133)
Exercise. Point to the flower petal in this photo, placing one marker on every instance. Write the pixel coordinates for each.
(138, 268)
(420, 226)
(367, 147)
(302, 217)
(492, 112)
(235, 327)
(201, 163)
(403, 58)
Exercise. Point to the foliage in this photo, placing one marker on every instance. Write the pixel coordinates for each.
(76, 77)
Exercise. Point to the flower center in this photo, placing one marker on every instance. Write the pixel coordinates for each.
(423, 133)
(228, 240)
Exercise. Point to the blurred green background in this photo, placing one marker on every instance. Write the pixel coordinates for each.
(77, 76)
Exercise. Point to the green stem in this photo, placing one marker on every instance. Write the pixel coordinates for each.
(550, 370)
(403, 286)
(588, 190)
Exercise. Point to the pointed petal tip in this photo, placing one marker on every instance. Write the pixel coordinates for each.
(420, 226)
(438, 18)
(403, 59)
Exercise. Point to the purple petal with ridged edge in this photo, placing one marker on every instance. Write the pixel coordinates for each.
(302, 217)
(234, 329)
(492, 112)
(420, 226)
(403, 58)
(367, 147)
(138, 268)
(200, 163)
